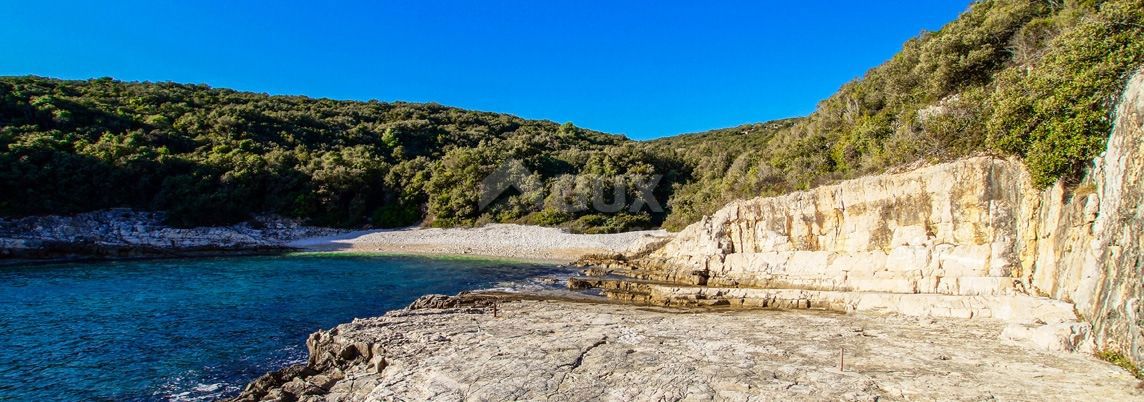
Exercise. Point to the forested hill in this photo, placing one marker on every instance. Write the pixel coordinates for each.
(211, 156)
(1034, 79)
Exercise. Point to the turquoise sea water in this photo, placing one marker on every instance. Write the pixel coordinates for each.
(199, 329)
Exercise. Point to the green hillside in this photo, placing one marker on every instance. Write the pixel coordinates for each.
(1035, 79)
(213, 156)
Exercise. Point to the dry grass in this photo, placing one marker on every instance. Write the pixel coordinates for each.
(1120, 360)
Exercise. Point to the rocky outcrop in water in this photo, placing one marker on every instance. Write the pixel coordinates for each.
(970, 238)
(125, 233)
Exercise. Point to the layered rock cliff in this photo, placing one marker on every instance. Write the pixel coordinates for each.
(974, 234)
(945, 229)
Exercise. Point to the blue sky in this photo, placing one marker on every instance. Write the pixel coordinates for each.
(646, 69)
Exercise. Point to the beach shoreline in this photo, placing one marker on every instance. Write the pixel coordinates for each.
(515, 242)
(121, 234)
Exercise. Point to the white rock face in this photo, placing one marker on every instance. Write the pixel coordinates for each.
(946, 229)
(972, 227)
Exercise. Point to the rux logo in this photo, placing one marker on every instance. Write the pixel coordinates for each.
(572, 193)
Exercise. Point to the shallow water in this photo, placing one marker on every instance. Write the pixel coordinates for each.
(199, 329)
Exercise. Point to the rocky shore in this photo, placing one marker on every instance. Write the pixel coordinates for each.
(956, 281)
(122, 233)
(450, 348)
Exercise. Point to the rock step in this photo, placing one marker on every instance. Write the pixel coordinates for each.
(962, 286)
(1010, 308)
(902, 281)
(889, 282)
(1006, 307)
(615, 271)
(615, 283)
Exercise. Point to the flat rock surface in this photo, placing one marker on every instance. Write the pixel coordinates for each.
(559, 350)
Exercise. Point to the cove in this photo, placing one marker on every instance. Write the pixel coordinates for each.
(199, 329)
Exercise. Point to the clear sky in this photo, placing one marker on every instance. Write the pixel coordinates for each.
(642, 68)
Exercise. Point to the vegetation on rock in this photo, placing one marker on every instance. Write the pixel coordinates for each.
(1120, 360)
